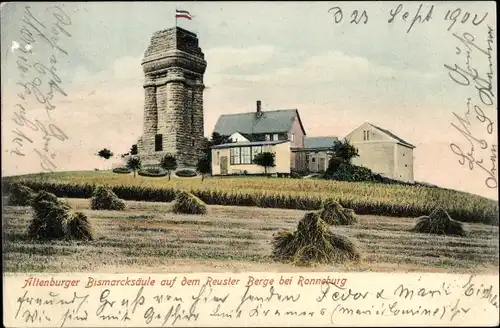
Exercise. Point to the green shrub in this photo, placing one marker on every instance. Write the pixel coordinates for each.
(152, 172)
(74, 190)
(19, 195)
(186, 173)
(105, 199)
(349, 172)
(187, 203)
(122, 170)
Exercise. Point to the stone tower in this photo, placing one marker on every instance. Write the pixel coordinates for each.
(173, 65)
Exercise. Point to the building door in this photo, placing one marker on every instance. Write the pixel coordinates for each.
(313, 166)
(322, 167)
(223, 165)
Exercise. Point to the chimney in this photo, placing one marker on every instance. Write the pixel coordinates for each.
(258, 106)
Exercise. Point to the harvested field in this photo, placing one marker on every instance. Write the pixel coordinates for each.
(149, 237)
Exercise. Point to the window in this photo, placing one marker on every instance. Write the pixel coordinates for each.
(313, 160)
(366, 135)
(192, 143)
(158, 142)
(246, 155)
(235, 155)
(275, 137)
(268, 137)
(217, 158)
(292, 137)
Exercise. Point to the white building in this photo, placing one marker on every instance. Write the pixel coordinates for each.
(237, 157)
(382, 152)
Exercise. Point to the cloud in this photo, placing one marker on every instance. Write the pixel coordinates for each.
(122, 72)
(222, 59)
(334, 66)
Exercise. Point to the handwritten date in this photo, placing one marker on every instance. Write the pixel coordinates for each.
(412, 17)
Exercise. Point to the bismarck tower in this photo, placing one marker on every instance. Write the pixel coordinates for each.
(173, 65)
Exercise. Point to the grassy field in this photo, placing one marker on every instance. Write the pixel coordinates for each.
(148, 237)
(363, 197)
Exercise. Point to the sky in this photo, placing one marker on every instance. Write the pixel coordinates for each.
(82, 61)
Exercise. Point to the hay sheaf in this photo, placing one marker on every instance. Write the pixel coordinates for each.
(439, 222)
(105, 199)
(40, 200)
(77, 226)
(20, 195)
(334, 214)
(187, 203)
(48, 219)
(54, 219)
(313, 242)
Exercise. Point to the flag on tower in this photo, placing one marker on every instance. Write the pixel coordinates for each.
(182, 14)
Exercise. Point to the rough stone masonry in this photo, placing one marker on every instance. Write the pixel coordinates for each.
(173, 65)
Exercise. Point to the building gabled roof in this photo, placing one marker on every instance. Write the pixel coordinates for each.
(273, 121)
(252, 143)
(392, 135)
(319, 142)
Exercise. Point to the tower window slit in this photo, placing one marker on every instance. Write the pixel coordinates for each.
(158, 142)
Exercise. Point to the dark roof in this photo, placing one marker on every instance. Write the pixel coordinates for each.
(319, 142)
(244, 144)
(273, 121)
(250, 137)
(392, 135)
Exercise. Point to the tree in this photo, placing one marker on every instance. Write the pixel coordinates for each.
(204, 166)
(134, 163)
(169, 163)
(344, 150)
(219, 139)
(265, 159)
(105, 153)
(134, 150)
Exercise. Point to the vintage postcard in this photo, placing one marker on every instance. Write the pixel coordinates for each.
(205, 164)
